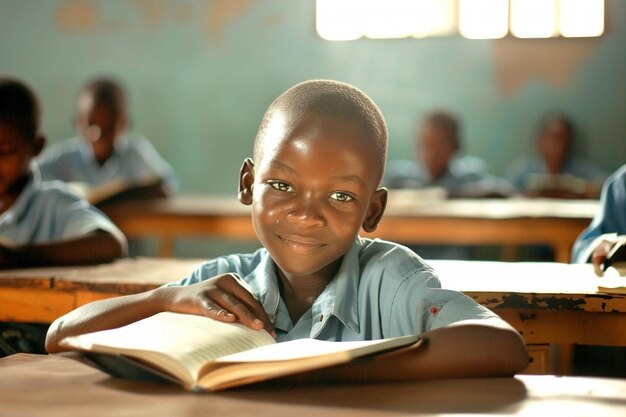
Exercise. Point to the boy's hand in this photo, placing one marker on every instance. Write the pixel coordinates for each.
(600, 253)
(221, 298)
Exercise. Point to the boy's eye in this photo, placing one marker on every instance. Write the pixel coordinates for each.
(339, 196)
(282, 186)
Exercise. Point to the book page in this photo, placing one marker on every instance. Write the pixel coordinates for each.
(290, 358)
(614, 279)
(306, 348)
(178, 343)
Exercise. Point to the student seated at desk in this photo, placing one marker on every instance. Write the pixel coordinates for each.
(319, 157)
(554, 172)
(104, 158)
(593, 244)
(41, 223)
(437, 145)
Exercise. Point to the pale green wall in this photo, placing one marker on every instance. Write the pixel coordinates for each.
(199, 98)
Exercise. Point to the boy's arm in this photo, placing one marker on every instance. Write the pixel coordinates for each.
(488, 347)
(95, 247)
(221, 298)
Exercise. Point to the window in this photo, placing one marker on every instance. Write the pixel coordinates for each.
(342, 20)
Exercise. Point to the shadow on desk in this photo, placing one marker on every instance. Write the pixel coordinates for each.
(489, 395)
(52, 385)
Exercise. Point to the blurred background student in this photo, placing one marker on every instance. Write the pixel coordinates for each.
(438, 162)
(41, 224)
(105, 154)
(593, 245)
(553, 171)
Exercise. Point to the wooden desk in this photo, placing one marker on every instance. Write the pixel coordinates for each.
(555, 223)
(55, 386)
(548, 303)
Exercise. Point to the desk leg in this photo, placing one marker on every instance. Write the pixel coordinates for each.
(562, 253)
(561, 359)
(539, 359)
(508, 253)
(166, 247)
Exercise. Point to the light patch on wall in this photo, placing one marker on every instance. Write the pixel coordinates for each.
(152, 11)
(534, 18)
(582, 18)
(519, 61)
(77, 16)
(483, 19)
(221, 13)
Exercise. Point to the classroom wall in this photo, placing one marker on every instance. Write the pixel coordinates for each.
(201, 74)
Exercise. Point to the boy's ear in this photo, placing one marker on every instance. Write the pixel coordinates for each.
(246, 182)
(375, 210)
(38, 145)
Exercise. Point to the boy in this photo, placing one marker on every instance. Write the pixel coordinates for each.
(437, 144)
(103, 153)
(554, 172)
(319, 157)
(42, 223)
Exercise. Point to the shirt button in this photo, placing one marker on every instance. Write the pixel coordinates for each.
(321, 317)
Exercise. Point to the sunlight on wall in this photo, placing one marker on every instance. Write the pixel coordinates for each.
(344, 20)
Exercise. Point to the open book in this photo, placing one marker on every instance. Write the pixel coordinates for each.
(203, 354)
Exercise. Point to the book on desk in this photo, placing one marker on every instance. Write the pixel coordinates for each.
(203, 354)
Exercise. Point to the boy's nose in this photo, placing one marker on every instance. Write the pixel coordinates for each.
(306, 212)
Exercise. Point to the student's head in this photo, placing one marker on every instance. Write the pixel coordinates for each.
(554, 141)
(319, 156)
(20, 139)
(437, 141)
(101, 115)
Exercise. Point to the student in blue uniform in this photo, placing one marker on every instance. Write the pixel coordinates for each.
(438, 164)
(41, 223)
(597, 239)
(554, 171)
(104, 151)
(312, 184)
(593, 245)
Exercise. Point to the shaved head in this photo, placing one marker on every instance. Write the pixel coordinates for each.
(325, 98)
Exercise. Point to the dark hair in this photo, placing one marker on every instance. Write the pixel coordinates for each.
(107, 92)
(448, 123)
(332, 98)
(559, 118)
(19, 107)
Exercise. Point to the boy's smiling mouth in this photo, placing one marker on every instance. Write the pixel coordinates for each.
(301, 244)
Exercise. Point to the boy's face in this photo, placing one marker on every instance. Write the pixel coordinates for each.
(554, 143)
(434, 149)
(312, 190)
(16, 151)
(99, 126)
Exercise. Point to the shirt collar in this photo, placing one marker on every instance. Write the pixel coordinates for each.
(338, 299)
(86, 150)
(18, 210)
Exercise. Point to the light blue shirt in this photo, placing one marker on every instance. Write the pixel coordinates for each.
(382, 290)
(133, 159)
(521, 171)
(47, 212)
(610, 219)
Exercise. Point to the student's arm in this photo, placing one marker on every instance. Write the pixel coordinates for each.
(488, 347)
(221, 298)
(471, 348)
(95, 247)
